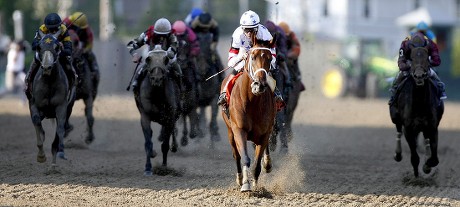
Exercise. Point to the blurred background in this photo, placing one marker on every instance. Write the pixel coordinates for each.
(349, 47)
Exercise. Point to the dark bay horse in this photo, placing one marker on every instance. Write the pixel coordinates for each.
(85, 88)
(190, 93)
(418, 109)
(50, 96)
(208, 90)
(158, 101)
(283, 123)
(251, 114)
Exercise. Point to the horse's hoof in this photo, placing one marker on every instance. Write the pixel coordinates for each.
(41, 158)
(153, 154)
(246, 187)
(89, 139)
(283, 150)
(61, 155)
(398, 157)
(193, 134)
(426, 169)
(184, 141)
(174, 148)
(148, 173)
(68, 129)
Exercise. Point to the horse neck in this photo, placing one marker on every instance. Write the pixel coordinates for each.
(423, 97)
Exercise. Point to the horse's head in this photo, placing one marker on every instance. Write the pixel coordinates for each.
(258, 66)
(156, 65)
(420, 64)
(48, 51)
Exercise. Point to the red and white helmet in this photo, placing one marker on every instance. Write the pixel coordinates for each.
(179, 27)
(249, 19)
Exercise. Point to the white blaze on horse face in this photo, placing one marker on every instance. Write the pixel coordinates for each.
(47, 60)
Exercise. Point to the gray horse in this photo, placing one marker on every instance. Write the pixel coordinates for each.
(158, 100)
(50, 96)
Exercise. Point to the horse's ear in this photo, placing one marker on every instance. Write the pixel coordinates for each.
(148, 59)
(273, 41)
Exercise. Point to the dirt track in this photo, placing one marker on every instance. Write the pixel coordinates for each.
(341, 156)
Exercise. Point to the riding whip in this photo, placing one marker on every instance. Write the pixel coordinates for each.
(67, 26)
(223, 70)
(134, 73)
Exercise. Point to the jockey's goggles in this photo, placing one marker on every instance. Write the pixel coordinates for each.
(249, 30)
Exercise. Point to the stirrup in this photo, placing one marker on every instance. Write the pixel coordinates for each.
(222, 101)
(443, 96)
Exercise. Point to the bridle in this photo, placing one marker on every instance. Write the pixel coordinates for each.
(252, 73)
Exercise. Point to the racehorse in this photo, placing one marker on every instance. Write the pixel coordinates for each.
(418, 109)
(157, 100)
(51, 96)
(190, 94)
(85, 88)
(251, 113)
(208, 65)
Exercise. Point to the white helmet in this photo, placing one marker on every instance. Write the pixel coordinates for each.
(249, 19)
(162, 26)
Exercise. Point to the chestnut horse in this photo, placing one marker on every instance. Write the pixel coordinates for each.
(251, 113)
(418, 109)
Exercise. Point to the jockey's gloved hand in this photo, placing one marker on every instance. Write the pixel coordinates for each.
(133, 44)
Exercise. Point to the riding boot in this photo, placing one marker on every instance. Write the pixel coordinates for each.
(279, 99)
(137, 77)
(440, 84)
(394, 87)
(222, 100)
(29, 77)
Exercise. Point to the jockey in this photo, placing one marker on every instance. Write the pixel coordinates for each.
(423, 28)
(241, 44)
(186, 36)
(417, 39)
(160, 33)
(79, 23)
(293, 53)
(281, 50)
(192, 15)
(204, 23)
(52, 25)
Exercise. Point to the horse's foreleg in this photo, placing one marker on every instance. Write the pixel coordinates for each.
(40, 133)
(414, 159)
(259, 153)
(41, 156)
(431, 152)
(89, 119)
(214, 129)
(148, 145)
(267, 161)
(58, 143)
(193, 118)
(166, 132)
(184, 140)
(240, 138)
(398, 156)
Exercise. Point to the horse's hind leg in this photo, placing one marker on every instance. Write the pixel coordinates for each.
(398, 156)
(89, 119)
(260, 152)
